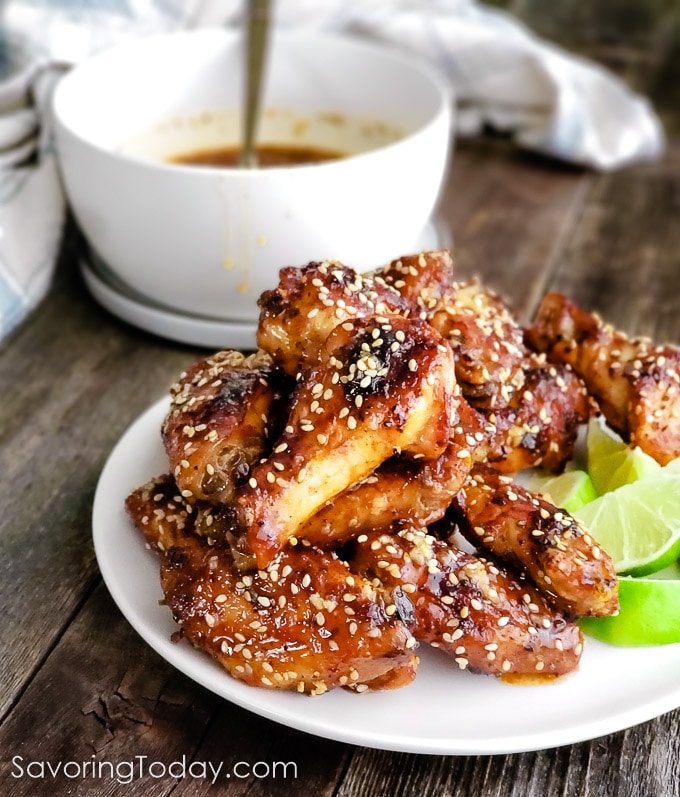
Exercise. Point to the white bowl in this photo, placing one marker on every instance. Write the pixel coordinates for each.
(208, 241)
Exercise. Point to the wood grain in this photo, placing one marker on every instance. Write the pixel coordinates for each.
(104, 696)
(624, 258)
(642, 761)
(102, 693)
(72, 379)
(509, 215)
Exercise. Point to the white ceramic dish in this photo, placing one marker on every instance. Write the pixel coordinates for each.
(444, 711)
(164, 321)
(142, 312)
(207, 241)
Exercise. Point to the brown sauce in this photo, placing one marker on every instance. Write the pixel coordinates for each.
(267, 155)
(528, 679)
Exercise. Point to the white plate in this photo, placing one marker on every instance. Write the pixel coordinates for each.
(445, 711)
(215, 333)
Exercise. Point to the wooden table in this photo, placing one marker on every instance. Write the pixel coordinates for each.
(77, 682)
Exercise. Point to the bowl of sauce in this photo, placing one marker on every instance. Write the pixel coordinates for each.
(353, 146)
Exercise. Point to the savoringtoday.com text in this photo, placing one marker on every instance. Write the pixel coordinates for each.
(139, 767)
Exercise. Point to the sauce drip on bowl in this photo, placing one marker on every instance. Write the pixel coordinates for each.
(267, 155)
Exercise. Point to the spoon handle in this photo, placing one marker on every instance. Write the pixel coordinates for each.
(257, 33)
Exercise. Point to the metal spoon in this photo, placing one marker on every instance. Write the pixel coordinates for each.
(257, 34)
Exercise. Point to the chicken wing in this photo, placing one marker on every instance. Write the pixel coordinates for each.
(297, 316)
(304, 622)
(636, 383)
(382, 386)
(218, 423)
(423, 280)
(530, 534)
(539, 424)
(414, 493)
(487, 341)
(488, 619)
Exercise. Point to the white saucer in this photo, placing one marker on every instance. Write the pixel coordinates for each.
(213, 333)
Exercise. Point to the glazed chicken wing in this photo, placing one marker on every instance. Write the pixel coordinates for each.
(539, 424)
(423, 280)
(382, 386)
(298, 315)
(636, 383)
(488, 619)
(487, 341)
(218, 423)
(304, 622)
(412, 492)
(531, 534)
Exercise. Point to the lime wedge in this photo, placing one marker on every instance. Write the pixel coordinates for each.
(649, 615)
(570, 490)
(638, 524)
(612, 463)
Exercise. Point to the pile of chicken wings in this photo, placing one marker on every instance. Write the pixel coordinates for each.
(343, 497)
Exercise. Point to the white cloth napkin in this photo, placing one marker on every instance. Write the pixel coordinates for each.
(502, 76)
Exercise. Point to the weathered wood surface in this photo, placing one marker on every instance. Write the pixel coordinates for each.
(76, 681)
